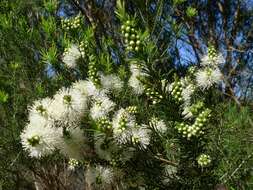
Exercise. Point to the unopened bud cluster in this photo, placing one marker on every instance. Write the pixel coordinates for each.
(132, 109)
(104, 123)
(131, 38)
(92, 70)
(73, 163)
(114, 161)
(212, 53)
(192, 70)
(176, 91)
(197, 128)
(195, 108)
(72, 23)
(153, 95)
(122, 124)
(204, 160)
(83, 47)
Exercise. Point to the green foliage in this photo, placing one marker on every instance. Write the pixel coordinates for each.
(178, 2)
(51, 5)
(233, 144)
(3, 97)
(121, 11)
(50, 56)
(191, 12)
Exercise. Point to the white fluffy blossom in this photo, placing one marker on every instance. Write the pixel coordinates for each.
(73, 144)
(111, 82)
(40, 138)
(134, 81)
(102, 151)
(67, 105)
(102, 105)
(81, 86)
(187, 93)
(38, 112)
(208, 77)
(88, 88)
(122, 122)
(99, 177)
(215, 61)
(187, 112)
(141, 136)
(71, 56)
(159, 125)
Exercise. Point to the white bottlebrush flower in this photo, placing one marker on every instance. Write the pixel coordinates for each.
(159, 125)
(104, 175)
(102, 105)
(208, 77)
(90, 176)
(81, 86)
(169, 172)
(140, 136)
(73, 144)
(137, 86)
(187, 93)
(38, 112)
(87, 87)
(71, 55)
(68, 104)
(102, 148)
(40, 138)
(213, 61)
(40, 107)
(111, 82)
(122, 122)
(99, 177)
(134, 81)
(187, 112)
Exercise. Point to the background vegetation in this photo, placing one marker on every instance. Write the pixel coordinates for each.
(33, 39)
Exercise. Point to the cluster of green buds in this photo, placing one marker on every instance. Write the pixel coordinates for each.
(72, 23)
(195, 108)
(202, 119)
(192, 70)
(92, 70)
(34, 141)
(197, 128)
(116, 159)
(184, 129)
(131, 37)
(114, 162)
(73, 163)
(104, 123)
(176, 89)
(212, 53)
(204, 160)
(83, 47)
(132, 109)
(153, 95)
